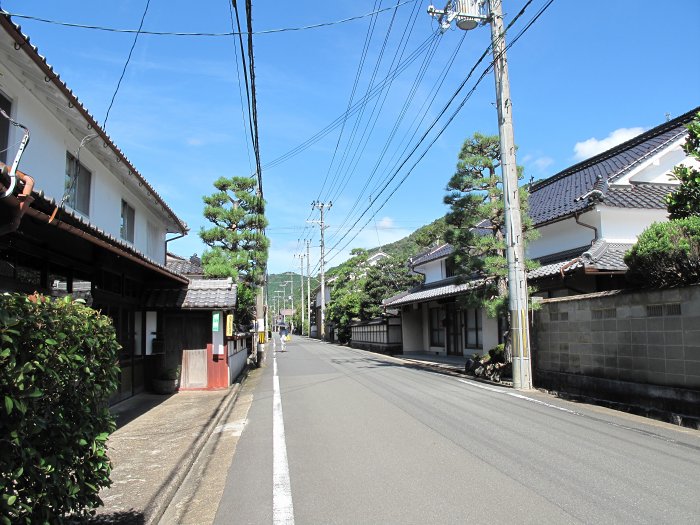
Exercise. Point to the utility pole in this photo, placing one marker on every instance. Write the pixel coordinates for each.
(321, 206)
(301, 267)
(469, 14)
(308, 285)
(291, 298)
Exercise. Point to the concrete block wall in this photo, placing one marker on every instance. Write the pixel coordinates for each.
(597, 341)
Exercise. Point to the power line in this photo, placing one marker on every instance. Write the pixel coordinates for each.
(128, 59)
(454, 114)
(202, 34)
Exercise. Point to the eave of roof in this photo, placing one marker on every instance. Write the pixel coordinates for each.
(559, 196)
(73, 223)
(200, 294)
(23, 43)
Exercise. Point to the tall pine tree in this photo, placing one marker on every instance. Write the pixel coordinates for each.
(476, 222)
(238, 246)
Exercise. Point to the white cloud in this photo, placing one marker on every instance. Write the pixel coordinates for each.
(588, 148)
(385, 223)
(542, 163)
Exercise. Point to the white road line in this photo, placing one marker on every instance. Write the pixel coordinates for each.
(519, 396)
(282, 508)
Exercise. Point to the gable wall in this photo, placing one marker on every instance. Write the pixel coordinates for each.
(563, 235)
(45, 160)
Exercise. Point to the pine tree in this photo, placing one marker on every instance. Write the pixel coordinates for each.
(238, 246)
(476, 222)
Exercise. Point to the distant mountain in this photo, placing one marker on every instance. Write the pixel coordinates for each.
(416, 242)
(402, 249)
(276, 282)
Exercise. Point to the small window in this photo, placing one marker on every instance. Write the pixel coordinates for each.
(127, 226)
(6, 105)
(78, 181)
(437, 331)
(472, 327)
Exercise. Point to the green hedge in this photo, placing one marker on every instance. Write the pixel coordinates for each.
(666, 254)
(58, 367)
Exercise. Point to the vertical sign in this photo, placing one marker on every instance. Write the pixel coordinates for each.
(215, 321)
(229, 325)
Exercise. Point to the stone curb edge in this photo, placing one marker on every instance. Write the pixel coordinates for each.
(155, 510)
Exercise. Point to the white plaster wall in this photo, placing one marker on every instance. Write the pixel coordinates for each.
(45, 160)
(564, 235)
(659, 168)
(489, 331)
(433, 271)
(625, 224)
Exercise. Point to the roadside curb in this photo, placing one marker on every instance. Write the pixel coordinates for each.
(157, 507)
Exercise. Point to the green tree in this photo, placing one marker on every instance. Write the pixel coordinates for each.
(685, 201)
(238, 246)
(347, 293)
(386, 278)
(476, 222)
(666, 254)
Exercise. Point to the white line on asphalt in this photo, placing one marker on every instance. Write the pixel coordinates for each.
(282, 508)
(519, 396)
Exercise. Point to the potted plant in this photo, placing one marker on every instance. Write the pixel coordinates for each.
(168, 381)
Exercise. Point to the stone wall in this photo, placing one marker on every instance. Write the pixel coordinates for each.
(631, 347)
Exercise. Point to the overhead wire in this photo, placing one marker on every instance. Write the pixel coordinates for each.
(238, 77)
(201, 34)
(128, 59)
(360, 115)
(407, 101)
(449, 121)
(358, 74)
(251, 64)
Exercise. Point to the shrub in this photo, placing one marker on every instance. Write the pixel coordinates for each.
(666, 254)
(58, 366)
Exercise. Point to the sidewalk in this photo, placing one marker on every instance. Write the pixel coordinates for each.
(157, 440)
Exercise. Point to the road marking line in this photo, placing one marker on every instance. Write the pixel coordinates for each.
(282, 507)
(519, 396)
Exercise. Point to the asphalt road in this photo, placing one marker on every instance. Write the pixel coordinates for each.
(350, 436)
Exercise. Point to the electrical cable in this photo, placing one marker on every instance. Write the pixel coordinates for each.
(203, 34)
(128, 59)
(454, 114)
(238, 76)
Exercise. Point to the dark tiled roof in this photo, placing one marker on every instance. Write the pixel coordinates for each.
(567, 261)
(431, 254)
(605, 256)
(184, 267)
(424, 293)
(561, 194)
(204, 294)
(648, 196)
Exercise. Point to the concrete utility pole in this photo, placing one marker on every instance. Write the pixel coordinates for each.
(291, 298)
(301, 275)
(321, 206)
(469, 14)
(308, 286)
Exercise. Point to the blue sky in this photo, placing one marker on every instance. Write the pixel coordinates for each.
(585, 76)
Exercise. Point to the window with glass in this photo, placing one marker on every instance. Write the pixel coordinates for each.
(437, 331)
(78, 182)
(473, 328)
(127, 224)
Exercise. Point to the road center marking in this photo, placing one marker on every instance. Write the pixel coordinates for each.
(282, 508)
